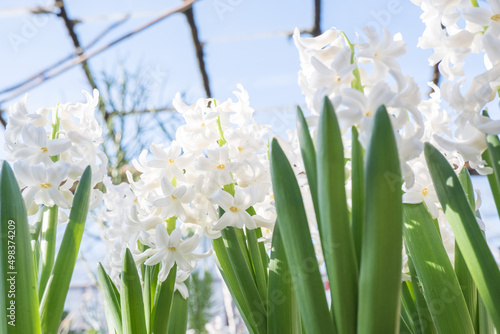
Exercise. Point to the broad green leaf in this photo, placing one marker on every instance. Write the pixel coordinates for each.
(358, 182)
(440, 285)
(111, 298)
(408, 307)
(228, 274)
(52, 306)
(380, 269)
(467, 285)
(468, 235)
(484, 319)
(422, 318)
(492, 180)
(282, 311)
(19, 299)
(493, 151)
(335, 230)
(299, 250)
(163, 303)
(257, 312)
(309, 157)
(178, 315)
(258, 267)
(132, 305)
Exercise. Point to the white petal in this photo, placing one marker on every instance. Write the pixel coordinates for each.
(162, 237)
(223, 199)
(57, 146)
(174, 239)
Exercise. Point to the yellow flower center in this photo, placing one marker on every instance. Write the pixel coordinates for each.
(338, 78)
(173, 197)
(46, 185)
(44, 149)
(496, 17)
(233, 209)
(202, 124)
(240, 148)
(221, 166)
(173, 249)
(375, 55)
(171, 161)
(271, 196)
(425, 191)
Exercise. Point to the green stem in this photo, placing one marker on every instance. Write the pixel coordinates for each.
(49, 235)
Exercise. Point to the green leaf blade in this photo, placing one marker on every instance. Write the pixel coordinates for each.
(19, 287)
(468, 235)
(296, 237)
(283, 314)
(441, 287)
(335, 231)
(380, 270)
(111, 298)
(58, 285)
(131, 301)
(163, 303)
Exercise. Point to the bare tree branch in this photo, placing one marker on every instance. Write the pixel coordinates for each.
(199, 50)
(435, 76)
(316, 30)
(70, 26)
(77, 60)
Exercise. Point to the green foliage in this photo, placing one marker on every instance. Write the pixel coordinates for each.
(201, 301)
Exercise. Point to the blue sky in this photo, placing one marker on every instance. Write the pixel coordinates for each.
(266, 66)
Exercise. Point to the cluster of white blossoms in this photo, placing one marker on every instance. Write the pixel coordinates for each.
(50, 148)
(359, 78)
(220, 146)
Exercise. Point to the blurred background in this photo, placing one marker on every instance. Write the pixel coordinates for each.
(139, 54)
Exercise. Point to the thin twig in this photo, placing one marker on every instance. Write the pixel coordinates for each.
(71, 56)
(77, 60)
(199, 50)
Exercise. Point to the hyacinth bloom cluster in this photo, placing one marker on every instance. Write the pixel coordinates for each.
(50, 148)
(358, 78)
(181, 186)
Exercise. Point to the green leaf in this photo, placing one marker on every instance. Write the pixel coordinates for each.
(493, 151)
(468, 235)
(260, 271)
(257, 314)
(409, 309)
(178, 315)
(19, 300)
(132, 305)
(228, 274)
(335, 231)
(299, 250)
(163, 303)
(440, 285)
(49, 235)
(422, 319)
(309, 157)
(358, 182)
(492, 180)
(52, 305)
(381, 254)
(465, 280)
(282, 311)
(111, 298)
